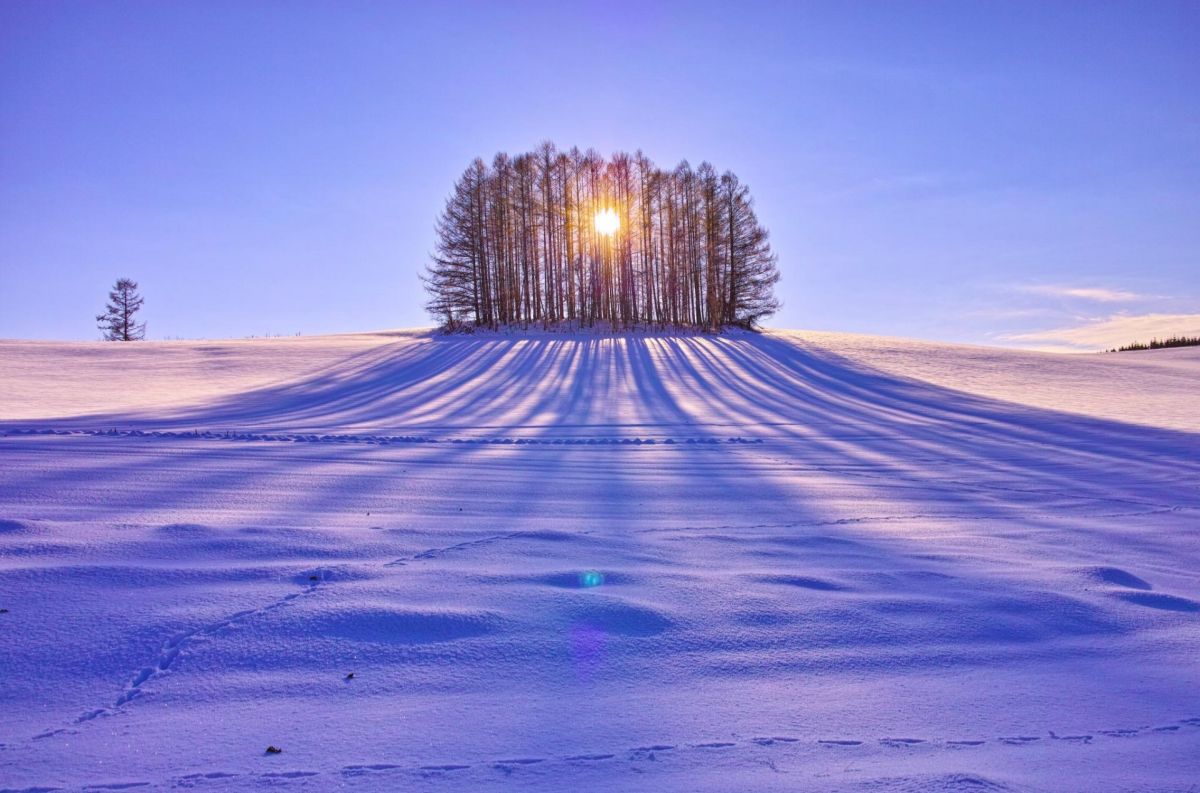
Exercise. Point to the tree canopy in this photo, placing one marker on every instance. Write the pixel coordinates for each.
(552, 236)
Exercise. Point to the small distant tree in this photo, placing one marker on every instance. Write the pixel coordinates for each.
(117, 323)
(1156, 344)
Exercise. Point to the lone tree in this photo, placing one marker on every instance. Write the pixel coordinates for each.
(554, 236)
(117, 322)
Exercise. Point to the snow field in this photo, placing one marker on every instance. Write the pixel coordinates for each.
(834, 568)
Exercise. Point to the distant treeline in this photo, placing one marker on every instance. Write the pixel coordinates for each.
(1155, 344)
(552, 236)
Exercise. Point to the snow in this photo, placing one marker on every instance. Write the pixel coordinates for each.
(798, 561)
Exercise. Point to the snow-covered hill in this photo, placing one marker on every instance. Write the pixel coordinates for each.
(794, 561)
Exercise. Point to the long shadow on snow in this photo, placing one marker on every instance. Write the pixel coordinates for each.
(699, 388)
(749, 381)
(807, 404)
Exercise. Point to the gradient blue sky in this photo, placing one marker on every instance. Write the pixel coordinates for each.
(987, 172)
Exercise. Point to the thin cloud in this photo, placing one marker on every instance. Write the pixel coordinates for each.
(1105, 334)
(1097, 294)
(1012, 313)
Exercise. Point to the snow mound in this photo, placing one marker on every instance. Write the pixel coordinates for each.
(793, 561)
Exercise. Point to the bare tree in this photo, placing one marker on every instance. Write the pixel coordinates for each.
(519, 242)
(117, 323)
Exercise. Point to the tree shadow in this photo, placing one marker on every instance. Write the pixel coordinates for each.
(746, 434)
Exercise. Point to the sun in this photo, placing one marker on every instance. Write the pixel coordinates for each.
(607, 222)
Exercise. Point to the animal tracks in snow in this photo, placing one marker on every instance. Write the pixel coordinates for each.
(386, 440)
(433, 553)
(654, 752)
(171, 649)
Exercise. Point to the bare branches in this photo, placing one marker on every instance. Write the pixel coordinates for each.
(551, 236)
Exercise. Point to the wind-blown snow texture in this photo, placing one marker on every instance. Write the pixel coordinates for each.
(788, 561)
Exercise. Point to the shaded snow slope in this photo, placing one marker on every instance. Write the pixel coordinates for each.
(791, 561)
(373, 380)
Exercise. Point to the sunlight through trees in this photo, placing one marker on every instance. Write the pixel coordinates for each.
(554, 236)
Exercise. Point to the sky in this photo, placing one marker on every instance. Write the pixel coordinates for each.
(1018, 174)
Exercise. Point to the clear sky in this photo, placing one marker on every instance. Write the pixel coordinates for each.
(1004, 173)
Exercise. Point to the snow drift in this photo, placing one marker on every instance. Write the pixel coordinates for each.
(787, 561)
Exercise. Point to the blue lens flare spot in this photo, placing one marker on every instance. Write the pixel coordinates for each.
(591, 578)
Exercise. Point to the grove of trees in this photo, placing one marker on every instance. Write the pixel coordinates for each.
(551, 236)
(1161, 344)
(117, 323)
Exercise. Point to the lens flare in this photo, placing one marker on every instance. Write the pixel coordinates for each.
(607, 222)
(591, 578)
